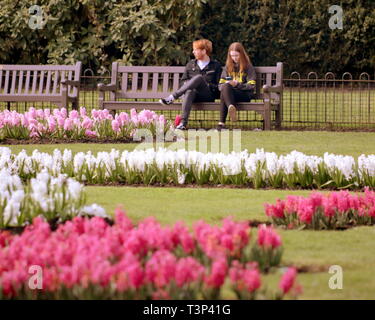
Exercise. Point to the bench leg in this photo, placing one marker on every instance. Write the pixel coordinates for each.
(267, 115)
(64, 97)
(101, 100)
(278, 119)
(74, 105)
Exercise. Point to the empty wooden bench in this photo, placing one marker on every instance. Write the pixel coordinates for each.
(57, 84)
(130, 83)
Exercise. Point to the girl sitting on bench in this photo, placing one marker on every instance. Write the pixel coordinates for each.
(237, 82)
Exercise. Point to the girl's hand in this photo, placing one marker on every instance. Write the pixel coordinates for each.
(233, 83)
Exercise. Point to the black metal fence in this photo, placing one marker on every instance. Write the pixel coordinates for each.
(309, 102)
(328, 102)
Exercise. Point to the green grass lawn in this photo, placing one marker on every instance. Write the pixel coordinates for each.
(173, 204)
(281, 142)
(352, 249)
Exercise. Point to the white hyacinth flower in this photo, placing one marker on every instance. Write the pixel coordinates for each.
(94, 210)
(12, 212)
(181, 177)
(75, 188)
(67, 157)
(79, 160)
(366, 164)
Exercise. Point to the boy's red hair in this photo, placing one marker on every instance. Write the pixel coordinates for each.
(203, 44)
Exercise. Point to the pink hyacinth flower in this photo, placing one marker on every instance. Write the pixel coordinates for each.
(60, 121)
(68, 124)
(91, 134)
(218, 273)
(251, 278)
(74, 114)
(288, 280)
(82, 112)
(87, 123)
(268, 238)
(40, 113)
(115, 126)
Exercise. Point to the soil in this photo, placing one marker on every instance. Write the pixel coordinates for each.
(327, 129)
(53, 225)
(218, 186)
(313, 268)
(63, 141)
(255, 223)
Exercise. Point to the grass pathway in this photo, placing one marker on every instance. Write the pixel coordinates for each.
(281, 142)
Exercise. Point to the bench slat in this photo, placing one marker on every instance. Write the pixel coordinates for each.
(48, 85)
(41, 82)
(124, 80)
(114, 75)
(176, 81)
(26, 67)
(77, 77)
(55, 80)
(70, 89)
(142, 95)
(27, 81)
(6, 84)
(165, 81)
(28, 97)
(34, 81)
(14, 77)
(62, 79)
(265, 69)
(144, 81)
(155, 81)
(258, 84)
(134, 81)
(269, 79)
(20, 82)
(209, 106)
(156, 69)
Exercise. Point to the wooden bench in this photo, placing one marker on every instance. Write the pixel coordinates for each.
(58, 84)
(130, 83)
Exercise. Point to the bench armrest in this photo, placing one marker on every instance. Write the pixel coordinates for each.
(107, 87)
(102, 88)
(74, 83)
(269, 89)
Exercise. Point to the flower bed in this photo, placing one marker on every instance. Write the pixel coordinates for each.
(59, 124)
(333, 211)
(55, 198)
(88, 258)
(259, 170)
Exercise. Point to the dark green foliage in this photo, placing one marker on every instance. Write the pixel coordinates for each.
(160, 32)
(295, 32)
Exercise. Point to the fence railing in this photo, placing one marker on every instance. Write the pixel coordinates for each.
(309, 102)
(329, 102)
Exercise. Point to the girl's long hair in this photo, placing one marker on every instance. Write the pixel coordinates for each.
(244, 58)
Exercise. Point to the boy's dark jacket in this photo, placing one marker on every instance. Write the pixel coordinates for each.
(211, 73)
